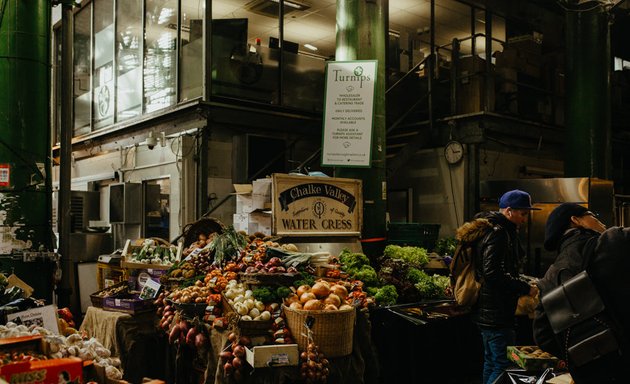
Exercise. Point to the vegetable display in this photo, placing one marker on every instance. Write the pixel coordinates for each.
(412, 255)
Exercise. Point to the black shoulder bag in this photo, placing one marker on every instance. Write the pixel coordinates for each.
(578, 316)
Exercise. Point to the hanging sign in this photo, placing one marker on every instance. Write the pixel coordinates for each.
(5, 175)
(316, 206)
(348, 113)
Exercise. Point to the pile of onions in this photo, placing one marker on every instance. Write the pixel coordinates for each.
(322, 296)
(314, 367)
(233, 356)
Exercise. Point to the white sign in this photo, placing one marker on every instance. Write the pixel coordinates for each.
(348, 113)
(45, 317)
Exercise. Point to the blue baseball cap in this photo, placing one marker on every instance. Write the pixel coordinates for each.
(516, 199)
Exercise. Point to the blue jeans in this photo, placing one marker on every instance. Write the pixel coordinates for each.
(495, 342)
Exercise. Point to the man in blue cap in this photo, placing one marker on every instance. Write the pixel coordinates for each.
(499, 256)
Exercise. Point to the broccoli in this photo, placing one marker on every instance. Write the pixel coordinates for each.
(386, 295)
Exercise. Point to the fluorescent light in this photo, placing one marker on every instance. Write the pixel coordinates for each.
(310, 46)
(290, 4)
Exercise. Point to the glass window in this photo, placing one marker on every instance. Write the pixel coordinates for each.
(191, 65)
(103, 98)
(309, 40)
(160, 59)
(82, 70)
(128, 59)
(157, 208)
(244, 60)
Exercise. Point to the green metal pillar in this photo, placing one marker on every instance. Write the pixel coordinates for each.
(25, 182)
(588, 139)
(361, 35)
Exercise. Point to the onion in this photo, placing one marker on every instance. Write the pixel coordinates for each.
(303, 288)
(292, 298)
(239, 351)
(330, 307)
(333, 299)
(320, 289)
(340, 291)
(226, 356)
(237, 363)
(314, 305)
(345, 307)
(296, 305)
(306, 296)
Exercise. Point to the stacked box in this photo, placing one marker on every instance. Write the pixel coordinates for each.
(69, 370)
(253, 201)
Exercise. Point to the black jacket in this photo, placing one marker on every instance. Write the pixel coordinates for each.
(570, 257)
(608, 270)
(499, 255)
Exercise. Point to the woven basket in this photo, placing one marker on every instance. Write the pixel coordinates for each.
(332, 330)
(206, 226)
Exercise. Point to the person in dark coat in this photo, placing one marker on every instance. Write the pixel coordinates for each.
(583, 242)
(499, 258)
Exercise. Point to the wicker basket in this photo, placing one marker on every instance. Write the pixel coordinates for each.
(332, 330)
(206, 226)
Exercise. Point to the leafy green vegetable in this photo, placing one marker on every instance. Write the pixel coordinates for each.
(386, 295)
(265, 294)
(227, 246)
(307, 279)
(366, 274)
(445, 246)
(283, 292)
(412, 255)
(431, 287)
(352, 260)
(415, 275)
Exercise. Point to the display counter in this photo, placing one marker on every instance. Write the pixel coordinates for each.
(131, 337)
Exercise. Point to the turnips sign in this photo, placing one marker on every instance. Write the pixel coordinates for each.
(316, 206)
(348, 113)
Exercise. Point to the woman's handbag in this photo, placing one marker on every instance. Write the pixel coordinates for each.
(577, 312)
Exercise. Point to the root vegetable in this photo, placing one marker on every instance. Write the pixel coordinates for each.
(320, 289)
(174, 334)
(313, 305)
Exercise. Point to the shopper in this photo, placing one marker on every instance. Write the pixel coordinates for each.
(500, 253)
(574, 233)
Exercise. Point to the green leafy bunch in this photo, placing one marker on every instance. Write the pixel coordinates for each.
(413, 255)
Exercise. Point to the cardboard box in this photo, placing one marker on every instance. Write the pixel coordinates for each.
(527, 358)
(262, 187)
(244, 203)
(252, 222)
(259, 222)
(69, 370)
(127, 303)
(136, 278)
(272, 355)
(22, 343)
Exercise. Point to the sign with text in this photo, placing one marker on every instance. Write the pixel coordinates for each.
(316, 206)
(348, 113)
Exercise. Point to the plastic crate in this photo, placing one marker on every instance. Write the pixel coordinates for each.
(413, 234)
